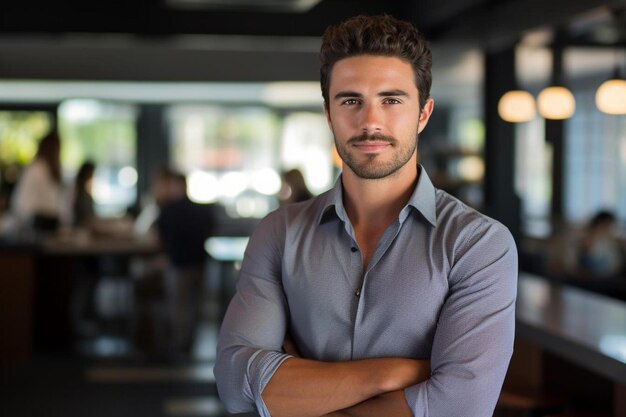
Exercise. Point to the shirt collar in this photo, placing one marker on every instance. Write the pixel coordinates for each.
(423, 200)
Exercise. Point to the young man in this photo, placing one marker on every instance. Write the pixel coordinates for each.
(383, 296)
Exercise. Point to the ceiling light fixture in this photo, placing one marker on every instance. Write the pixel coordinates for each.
(517, 106)
(611, 95)
(556, 103)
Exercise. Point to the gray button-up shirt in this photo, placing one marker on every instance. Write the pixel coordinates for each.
(441, 285)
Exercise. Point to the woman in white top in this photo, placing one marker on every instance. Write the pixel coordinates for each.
(36, 202)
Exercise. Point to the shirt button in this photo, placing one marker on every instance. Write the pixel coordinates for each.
(353, 249)
(357, 293)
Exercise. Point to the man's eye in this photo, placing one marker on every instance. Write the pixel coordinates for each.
(350, 101)
(392, 101)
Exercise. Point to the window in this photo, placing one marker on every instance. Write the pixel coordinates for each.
(234, 154)
(595, 161)
(533, 176)
(307, 145)
(104, 133)
(20, 132)
(229, 154)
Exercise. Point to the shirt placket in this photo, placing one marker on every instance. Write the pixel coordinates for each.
(361, 335)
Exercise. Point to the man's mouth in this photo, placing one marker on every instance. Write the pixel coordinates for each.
(371, 146)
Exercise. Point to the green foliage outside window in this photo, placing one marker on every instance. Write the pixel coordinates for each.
(20, 132)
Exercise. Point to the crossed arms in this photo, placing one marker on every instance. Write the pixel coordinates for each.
(364, 388)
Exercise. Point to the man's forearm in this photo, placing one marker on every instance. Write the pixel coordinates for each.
(306, 388)
(389, 404)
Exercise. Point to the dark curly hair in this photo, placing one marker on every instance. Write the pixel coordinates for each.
(377, 35)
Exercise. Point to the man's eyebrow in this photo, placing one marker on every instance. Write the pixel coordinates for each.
(346, 94)
(393, 93)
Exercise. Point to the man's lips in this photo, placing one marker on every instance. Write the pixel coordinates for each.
(371, 146)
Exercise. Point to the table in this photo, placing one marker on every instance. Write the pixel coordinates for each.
(86, 245)
(36, 285)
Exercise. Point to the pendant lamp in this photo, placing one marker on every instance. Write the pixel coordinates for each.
(556, 103)
(517, 106)
(611, 95)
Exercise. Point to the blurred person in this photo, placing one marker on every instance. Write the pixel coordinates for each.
(86, 224)
(82, 208)
(294, 187)
(600, 252)
(162, 191)
(383, 296)
(150, 272)
(183, 227)
(81, 215)
(36, 201)
(83, 211)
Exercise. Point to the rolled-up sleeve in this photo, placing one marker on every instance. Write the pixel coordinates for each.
(473, 341)
(250, 343)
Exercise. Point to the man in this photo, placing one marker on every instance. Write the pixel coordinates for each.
(183, 226)
(392, 298)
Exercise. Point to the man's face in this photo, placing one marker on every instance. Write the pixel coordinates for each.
(374, 114)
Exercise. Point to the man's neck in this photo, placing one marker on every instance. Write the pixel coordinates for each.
(372, 205)
(380, 200)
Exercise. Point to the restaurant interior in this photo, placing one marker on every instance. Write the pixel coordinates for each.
(220, 100)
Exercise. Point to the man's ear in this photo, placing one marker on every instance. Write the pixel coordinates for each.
(427, 110)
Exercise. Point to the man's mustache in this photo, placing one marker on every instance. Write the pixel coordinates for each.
(376, 137)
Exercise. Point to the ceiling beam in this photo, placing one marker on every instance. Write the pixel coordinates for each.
(502, 23)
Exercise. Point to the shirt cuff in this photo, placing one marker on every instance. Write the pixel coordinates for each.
(417, 398)
(261, 367)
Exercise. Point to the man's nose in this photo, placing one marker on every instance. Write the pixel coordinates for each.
(371, 119)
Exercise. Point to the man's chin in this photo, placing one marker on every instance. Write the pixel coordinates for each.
(374, 173)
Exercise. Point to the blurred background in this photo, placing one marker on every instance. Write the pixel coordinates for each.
(177, 124)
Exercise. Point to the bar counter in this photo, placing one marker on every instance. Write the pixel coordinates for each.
(585, 329)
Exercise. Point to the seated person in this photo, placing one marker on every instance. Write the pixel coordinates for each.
(82, 211)
(600, 252)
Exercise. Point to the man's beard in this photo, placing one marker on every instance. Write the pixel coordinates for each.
(372, 169)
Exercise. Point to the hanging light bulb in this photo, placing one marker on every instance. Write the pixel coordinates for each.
(556, 103)
(611, 97)
(517, 106)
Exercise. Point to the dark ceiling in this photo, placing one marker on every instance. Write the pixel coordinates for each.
(488, 22)
(277, 40)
